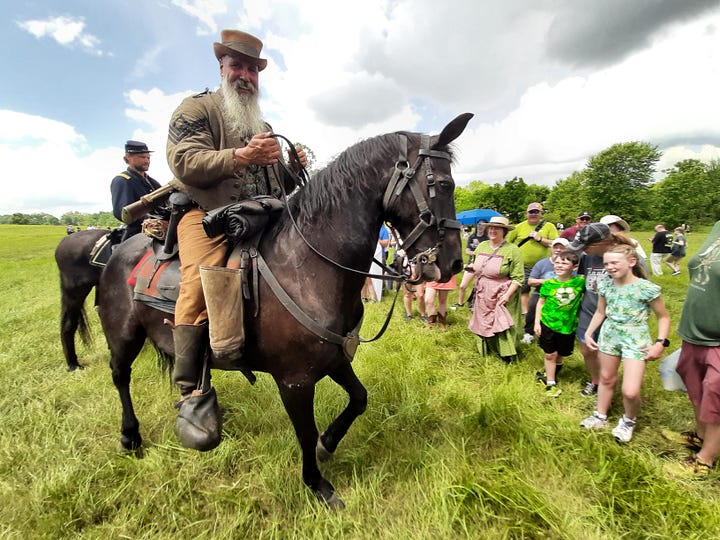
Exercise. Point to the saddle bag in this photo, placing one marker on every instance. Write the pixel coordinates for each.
(242, 220)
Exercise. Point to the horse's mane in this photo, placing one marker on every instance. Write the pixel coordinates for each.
(350, 173)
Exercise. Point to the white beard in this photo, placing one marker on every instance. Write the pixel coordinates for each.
(241, 111)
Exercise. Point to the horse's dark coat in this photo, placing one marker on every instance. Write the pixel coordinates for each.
(340, 212)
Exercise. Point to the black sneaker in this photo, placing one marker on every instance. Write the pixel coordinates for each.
(590, 389)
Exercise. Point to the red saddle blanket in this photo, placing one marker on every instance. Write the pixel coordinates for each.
(156, 282)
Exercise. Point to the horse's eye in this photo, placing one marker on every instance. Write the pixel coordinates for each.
(445, 184)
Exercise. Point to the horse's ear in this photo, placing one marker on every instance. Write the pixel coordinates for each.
(453, 130)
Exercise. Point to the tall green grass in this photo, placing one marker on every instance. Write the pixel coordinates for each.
(453, 445)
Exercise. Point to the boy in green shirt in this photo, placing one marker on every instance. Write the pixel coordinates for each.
(556, 316)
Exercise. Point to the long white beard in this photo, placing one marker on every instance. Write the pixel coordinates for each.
(241, 111)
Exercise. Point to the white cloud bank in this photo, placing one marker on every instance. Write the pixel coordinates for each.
(338, 73)
(66, 31)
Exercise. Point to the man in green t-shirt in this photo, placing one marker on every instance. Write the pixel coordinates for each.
(699, 363)
(556, 316)
(534, 237)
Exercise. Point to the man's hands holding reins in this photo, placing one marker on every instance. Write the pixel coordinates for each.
(263, 150)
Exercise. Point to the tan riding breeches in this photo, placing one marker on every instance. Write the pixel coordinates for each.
(195, 249)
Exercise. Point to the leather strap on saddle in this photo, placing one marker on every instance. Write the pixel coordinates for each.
(348, 342)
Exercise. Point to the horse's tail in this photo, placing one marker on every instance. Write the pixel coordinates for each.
(83, 328)
(165, 361)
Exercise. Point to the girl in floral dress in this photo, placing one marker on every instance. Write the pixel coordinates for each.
(624, 305)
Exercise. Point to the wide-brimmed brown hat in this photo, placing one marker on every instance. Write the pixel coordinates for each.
(235, 42)
(500, 221)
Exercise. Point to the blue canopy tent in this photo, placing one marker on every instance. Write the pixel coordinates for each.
(471, 217)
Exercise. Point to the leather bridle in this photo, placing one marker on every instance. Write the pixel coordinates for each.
(404, 176)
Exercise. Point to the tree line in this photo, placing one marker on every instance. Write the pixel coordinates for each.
(619, 180)
(78, 219)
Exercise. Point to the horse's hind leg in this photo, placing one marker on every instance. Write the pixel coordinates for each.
(72, 316)
(298, 400)
(330, 438)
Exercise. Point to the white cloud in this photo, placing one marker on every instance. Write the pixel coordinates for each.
(340, 72)
(47, 167)
(647, 97)
(204, 11)
(65, 30)
(77, 178)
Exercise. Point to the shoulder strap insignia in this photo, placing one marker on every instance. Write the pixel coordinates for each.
(201, 94)
(126, 176)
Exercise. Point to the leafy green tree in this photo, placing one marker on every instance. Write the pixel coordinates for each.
(567, 198)
(474, 195)
(618, 179)
(19, 219)
(513, 198)
(463, 199)
(687, 194)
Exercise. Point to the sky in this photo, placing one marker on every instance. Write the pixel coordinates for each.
(551, 82)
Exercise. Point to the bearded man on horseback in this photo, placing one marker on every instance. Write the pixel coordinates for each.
(221, 151)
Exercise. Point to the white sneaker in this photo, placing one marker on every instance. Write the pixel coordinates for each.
(624, 430)
(527, 339)
(595, 421)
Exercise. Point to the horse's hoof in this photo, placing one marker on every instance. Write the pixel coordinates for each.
(333, 502)
(321, 452)
(73, 367)
(131, 444)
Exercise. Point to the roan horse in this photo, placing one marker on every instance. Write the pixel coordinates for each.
(402, 178)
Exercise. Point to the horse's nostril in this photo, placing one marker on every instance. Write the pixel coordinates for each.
(457, 265)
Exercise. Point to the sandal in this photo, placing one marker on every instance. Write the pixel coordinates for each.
(688, 468)
(689, 439)
(700, 467)
(692, 440)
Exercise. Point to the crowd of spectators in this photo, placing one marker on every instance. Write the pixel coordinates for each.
(529, 283)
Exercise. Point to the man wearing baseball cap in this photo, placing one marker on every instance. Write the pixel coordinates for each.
(582, 219)
(533, 236)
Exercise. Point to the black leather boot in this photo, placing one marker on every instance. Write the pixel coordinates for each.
(199, 422)
(191, 343)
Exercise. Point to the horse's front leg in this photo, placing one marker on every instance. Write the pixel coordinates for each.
(121, 365)
(330, 438)
(299, 400)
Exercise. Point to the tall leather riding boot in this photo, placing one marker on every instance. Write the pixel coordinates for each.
(442, 317)
(199, 422)
(222, 288)
(190, 346)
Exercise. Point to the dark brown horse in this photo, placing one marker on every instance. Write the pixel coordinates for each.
(402, 178)
(77, 279)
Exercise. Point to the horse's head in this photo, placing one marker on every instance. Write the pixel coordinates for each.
(419, 202)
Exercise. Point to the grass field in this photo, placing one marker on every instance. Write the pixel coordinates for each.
(453, 445)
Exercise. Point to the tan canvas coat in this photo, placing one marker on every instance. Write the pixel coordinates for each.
(200, 155)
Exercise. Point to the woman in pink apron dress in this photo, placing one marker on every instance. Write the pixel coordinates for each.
(499, 273)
